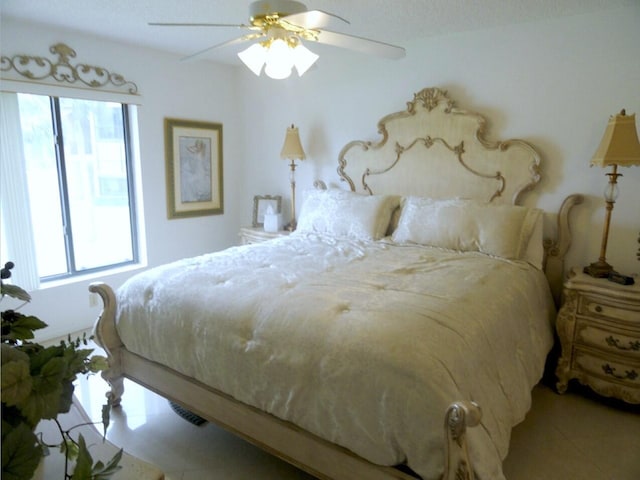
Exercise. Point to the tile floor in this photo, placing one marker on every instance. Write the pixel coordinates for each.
(574, 436)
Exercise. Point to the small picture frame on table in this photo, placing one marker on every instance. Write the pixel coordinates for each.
(261, 204)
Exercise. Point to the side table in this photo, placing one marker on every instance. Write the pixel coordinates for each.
(599, 329)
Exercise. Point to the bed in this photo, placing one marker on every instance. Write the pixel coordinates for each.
(397, 333)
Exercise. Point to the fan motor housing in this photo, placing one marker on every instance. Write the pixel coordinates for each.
(262, 9)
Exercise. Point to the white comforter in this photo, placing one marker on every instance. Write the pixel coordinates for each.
(363, 344)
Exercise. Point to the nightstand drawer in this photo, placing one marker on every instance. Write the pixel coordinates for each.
(250, 235)
(608, 339)
(603, 307)
(610, 369)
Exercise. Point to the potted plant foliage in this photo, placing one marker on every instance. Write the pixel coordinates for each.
(37, 384)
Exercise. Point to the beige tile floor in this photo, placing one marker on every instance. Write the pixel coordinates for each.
(571, 436)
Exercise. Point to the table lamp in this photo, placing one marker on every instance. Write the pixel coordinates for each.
(619, 147)
(292, 150)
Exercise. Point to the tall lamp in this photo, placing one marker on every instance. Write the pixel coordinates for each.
(619, 147)
(292, 150)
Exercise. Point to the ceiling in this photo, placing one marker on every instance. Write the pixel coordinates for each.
(390, 21)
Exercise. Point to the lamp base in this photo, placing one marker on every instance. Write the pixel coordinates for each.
(599, 269)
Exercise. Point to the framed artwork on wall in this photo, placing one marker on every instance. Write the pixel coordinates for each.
(193, 155)
(261, 204)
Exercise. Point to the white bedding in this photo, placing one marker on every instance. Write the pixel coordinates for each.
(362, 343)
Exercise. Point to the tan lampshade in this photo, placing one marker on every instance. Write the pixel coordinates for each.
(619, 145)
(292, 148)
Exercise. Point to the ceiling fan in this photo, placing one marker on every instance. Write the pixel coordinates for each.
(280, 27)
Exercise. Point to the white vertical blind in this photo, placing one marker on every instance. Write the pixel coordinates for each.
(18, 243)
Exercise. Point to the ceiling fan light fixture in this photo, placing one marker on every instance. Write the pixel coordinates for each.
(254, 57)
(279, 60)
(282, 25)
(303, 58)
(278, 54)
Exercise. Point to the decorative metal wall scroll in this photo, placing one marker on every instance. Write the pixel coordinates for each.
(40, 68)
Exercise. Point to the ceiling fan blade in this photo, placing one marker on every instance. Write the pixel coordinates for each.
(312, 19)
(244, 38)
(172, 24)
(360, 44)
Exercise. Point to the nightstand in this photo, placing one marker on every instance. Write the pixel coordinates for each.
(257, 234)
(599, 329)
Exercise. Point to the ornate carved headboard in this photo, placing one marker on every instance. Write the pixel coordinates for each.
(435, 149)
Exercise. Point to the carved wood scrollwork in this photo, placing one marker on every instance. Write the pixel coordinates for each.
(459, 416)
(565, 324)
(429, 99)
(428, 142)
(433, 117)
(36, 68)
(628, 374)
(615, 342)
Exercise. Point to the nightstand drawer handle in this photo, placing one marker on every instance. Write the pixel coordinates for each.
(598, 309)
(614, 342)
(629, 374)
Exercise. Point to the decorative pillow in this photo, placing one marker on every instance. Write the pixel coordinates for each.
(467, 225)
(343, 213)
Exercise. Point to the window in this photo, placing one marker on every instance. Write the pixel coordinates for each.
(79, 184)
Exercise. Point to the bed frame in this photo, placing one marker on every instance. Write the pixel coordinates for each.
(431, 149)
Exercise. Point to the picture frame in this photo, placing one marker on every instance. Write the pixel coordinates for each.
(260, 205)
(193, 157)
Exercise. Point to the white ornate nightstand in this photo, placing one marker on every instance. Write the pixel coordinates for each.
(599, 329)
(257, 234)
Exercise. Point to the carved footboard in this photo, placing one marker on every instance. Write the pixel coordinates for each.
(460, 415)
(107, 337)
(302, 449)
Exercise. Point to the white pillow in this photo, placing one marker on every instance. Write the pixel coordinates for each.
(343, 213)
(467, 225)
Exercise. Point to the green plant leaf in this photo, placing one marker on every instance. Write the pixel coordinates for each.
(84, 462)
(17, 326)
(6, 426)
(37, 384)
(77, 359)
(106, 418)
(66, 397)
(13, 354)
(22, 328)
(21, 453)
(98, 363)
(40, 356)
(11, 417)
(51, 375)
(105, 472)
(40, 405)
(16, 382)
(15, 292)
(69, 448)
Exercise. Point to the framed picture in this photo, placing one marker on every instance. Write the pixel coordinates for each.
(261, 204)
(193, 152)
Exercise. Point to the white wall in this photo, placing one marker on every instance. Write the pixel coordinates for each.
(553, 83)
(169, 88)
